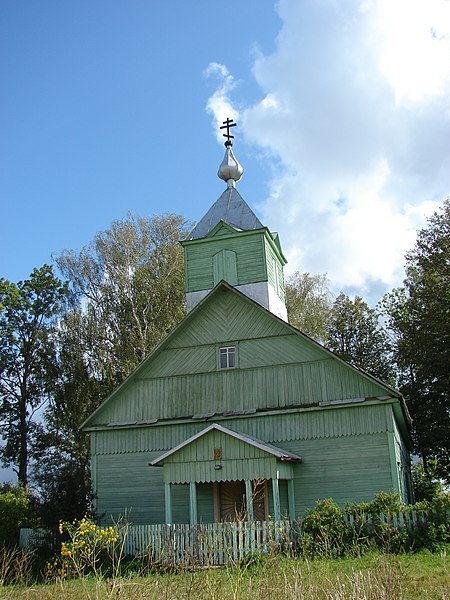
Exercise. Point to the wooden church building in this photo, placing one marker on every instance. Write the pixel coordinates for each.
(236, 412)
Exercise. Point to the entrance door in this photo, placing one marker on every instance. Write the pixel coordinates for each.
(232, 500)
(260, 508)
(230, 503)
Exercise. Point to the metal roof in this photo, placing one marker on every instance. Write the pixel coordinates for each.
(230, 208)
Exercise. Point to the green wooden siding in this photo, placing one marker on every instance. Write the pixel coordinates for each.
(352, 468)
(237, 389)
(349, 469)
(240, 460)
(180, 503)
(127, 485)
(230, 317)
(248, 247)
(205, 503)
(277, 367)
(274, 428)
(221, 230)
(252, 353)
(275, 273)
(232, 470)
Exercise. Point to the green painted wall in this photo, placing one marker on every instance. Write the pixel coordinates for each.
(205, 502)
(249, 250)
(277, 367)
(239, 461)
(273, 428)
(275, 273)
(223, 391)
(347, 468)
(350, 451)
(180, 503)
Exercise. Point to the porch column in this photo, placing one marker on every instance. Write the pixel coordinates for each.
(291, 499)
(276, 500)
(168, 502)
(193, 503)
(249, 499)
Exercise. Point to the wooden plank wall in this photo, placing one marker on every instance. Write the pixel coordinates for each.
(352, 468)
(249, 251)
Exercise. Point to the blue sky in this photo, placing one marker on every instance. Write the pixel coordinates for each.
(102, 111)
(111, 106)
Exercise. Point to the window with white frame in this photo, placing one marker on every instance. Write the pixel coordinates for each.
(227, 357)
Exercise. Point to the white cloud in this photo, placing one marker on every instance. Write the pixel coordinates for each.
(355, 106)
(219, 104)
(414, 48)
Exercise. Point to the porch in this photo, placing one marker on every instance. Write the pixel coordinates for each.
(236, 477)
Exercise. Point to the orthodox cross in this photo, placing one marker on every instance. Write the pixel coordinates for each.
(226, 125)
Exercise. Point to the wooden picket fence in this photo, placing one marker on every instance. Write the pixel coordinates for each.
(402, 520)
(207, 544)
(212, 544)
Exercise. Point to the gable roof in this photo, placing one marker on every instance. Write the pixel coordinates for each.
(274, 324)
(230, 208)
(278, 453)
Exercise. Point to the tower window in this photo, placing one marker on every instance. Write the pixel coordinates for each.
(227, 357)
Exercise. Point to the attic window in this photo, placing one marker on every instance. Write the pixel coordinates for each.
(227, 357)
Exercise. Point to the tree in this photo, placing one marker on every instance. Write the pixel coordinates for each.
(127, 293)
(28, 311)
(355, 334)
(62, 473)
(427, 486)
(308, 300)
(419, 318)
(130, 280)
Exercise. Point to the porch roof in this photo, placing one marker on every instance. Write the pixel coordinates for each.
(219, 454)
(280, 454)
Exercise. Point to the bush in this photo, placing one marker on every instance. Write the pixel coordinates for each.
(16, 511)
(324, 531)
(88, 548)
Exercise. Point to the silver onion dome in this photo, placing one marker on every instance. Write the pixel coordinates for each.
(230, 169)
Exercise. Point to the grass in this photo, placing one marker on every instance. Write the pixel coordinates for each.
(374, 576)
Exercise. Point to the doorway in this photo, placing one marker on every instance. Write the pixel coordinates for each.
(230, 501)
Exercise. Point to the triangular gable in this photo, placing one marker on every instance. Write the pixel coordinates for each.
(223, 228)
(278, 453)
(219, 454)
(216, 311)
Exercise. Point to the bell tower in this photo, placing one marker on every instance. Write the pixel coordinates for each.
(230, 243)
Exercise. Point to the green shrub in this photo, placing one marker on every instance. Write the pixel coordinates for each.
(16, 511)
(324, 531)
(386, 503)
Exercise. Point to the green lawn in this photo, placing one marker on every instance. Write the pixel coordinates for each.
(373, 576)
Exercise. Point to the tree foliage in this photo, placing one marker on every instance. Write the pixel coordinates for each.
(127, 294)
(28, 311)
(16, 511)
(130, 281)
(419, 317)
(308, 300)
(355, 334)
(62, 474)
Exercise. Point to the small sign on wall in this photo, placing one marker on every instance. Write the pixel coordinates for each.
(217, 453)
